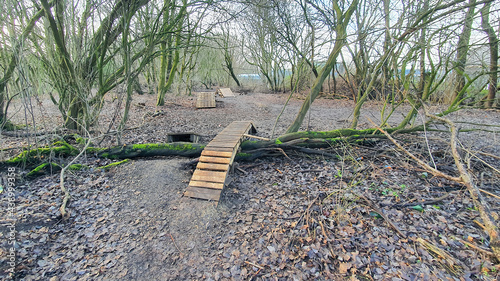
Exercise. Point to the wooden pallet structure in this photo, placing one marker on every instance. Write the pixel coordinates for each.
(210, 176)
(205, 100)
(226, 93)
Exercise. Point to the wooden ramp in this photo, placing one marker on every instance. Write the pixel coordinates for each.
(226, 93)
(205, 100)
(210, 175)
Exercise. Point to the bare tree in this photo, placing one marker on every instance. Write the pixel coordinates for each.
(493, 47)
(342, 18)
(463, 50)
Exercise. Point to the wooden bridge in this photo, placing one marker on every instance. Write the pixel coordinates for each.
(210, 175)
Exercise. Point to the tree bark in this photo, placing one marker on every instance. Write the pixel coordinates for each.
(229, 65)
(493, 46)
(462, 51)
(166, 57)
(341, 34)
(13, 62)
(423, 49)
(173, 62)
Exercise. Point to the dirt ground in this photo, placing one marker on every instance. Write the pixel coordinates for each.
(300, 217)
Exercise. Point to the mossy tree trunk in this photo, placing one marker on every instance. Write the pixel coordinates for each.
(172, 23)
(462, 51)
(493, 48)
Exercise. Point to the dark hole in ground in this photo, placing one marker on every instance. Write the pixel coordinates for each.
(183, 137)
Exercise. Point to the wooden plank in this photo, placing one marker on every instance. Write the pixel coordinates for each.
(223, 149)
(216, 160)
(210, 176)
(229, 140)
(204, 184)
(212, 166)
(226, 154)
(221, 144)
(224, 143)
(232, 135)
(203, 193)
(227, 137)
(226, 92)
(235, 134)
(237, 128)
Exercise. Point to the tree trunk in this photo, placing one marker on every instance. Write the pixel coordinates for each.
(166, 56)
(13, 63)
(462, 51)
(423, 48)
(229, 65)
(340, 30)
(387, 43)
(493, 46)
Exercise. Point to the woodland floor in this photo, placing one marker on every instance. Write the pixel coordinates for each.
(295, 218)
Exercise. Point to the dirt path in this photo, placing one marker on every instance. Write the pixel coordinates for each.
(162, 235)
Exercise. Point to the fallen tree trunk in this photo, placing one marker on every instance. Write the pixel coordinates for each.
(184, 149)
(250, 150)
(63, 149)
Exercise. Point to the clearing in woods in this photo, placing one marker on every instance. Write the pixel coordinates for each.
(298, 217)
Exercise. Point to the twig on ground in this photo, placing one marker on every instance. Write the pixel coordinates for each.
(426, 202)
(477, 248)
(479, 224)
(489, 193)
(254, 264)
(451, 261)
(270, 149)
(370, 204)
(481, 160)
(465, 179)
(173, 241)
(415, 158)
(479, 202)
(488, 154)
(241, 170)
(67, 196)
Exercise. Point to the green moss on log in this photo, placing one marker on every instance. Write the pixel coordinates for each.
(42, 169)
(77, 167)
(152, 149)
(243, 156)
(320, 139)
(107, 167)
(326, 134)
(35, 155)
